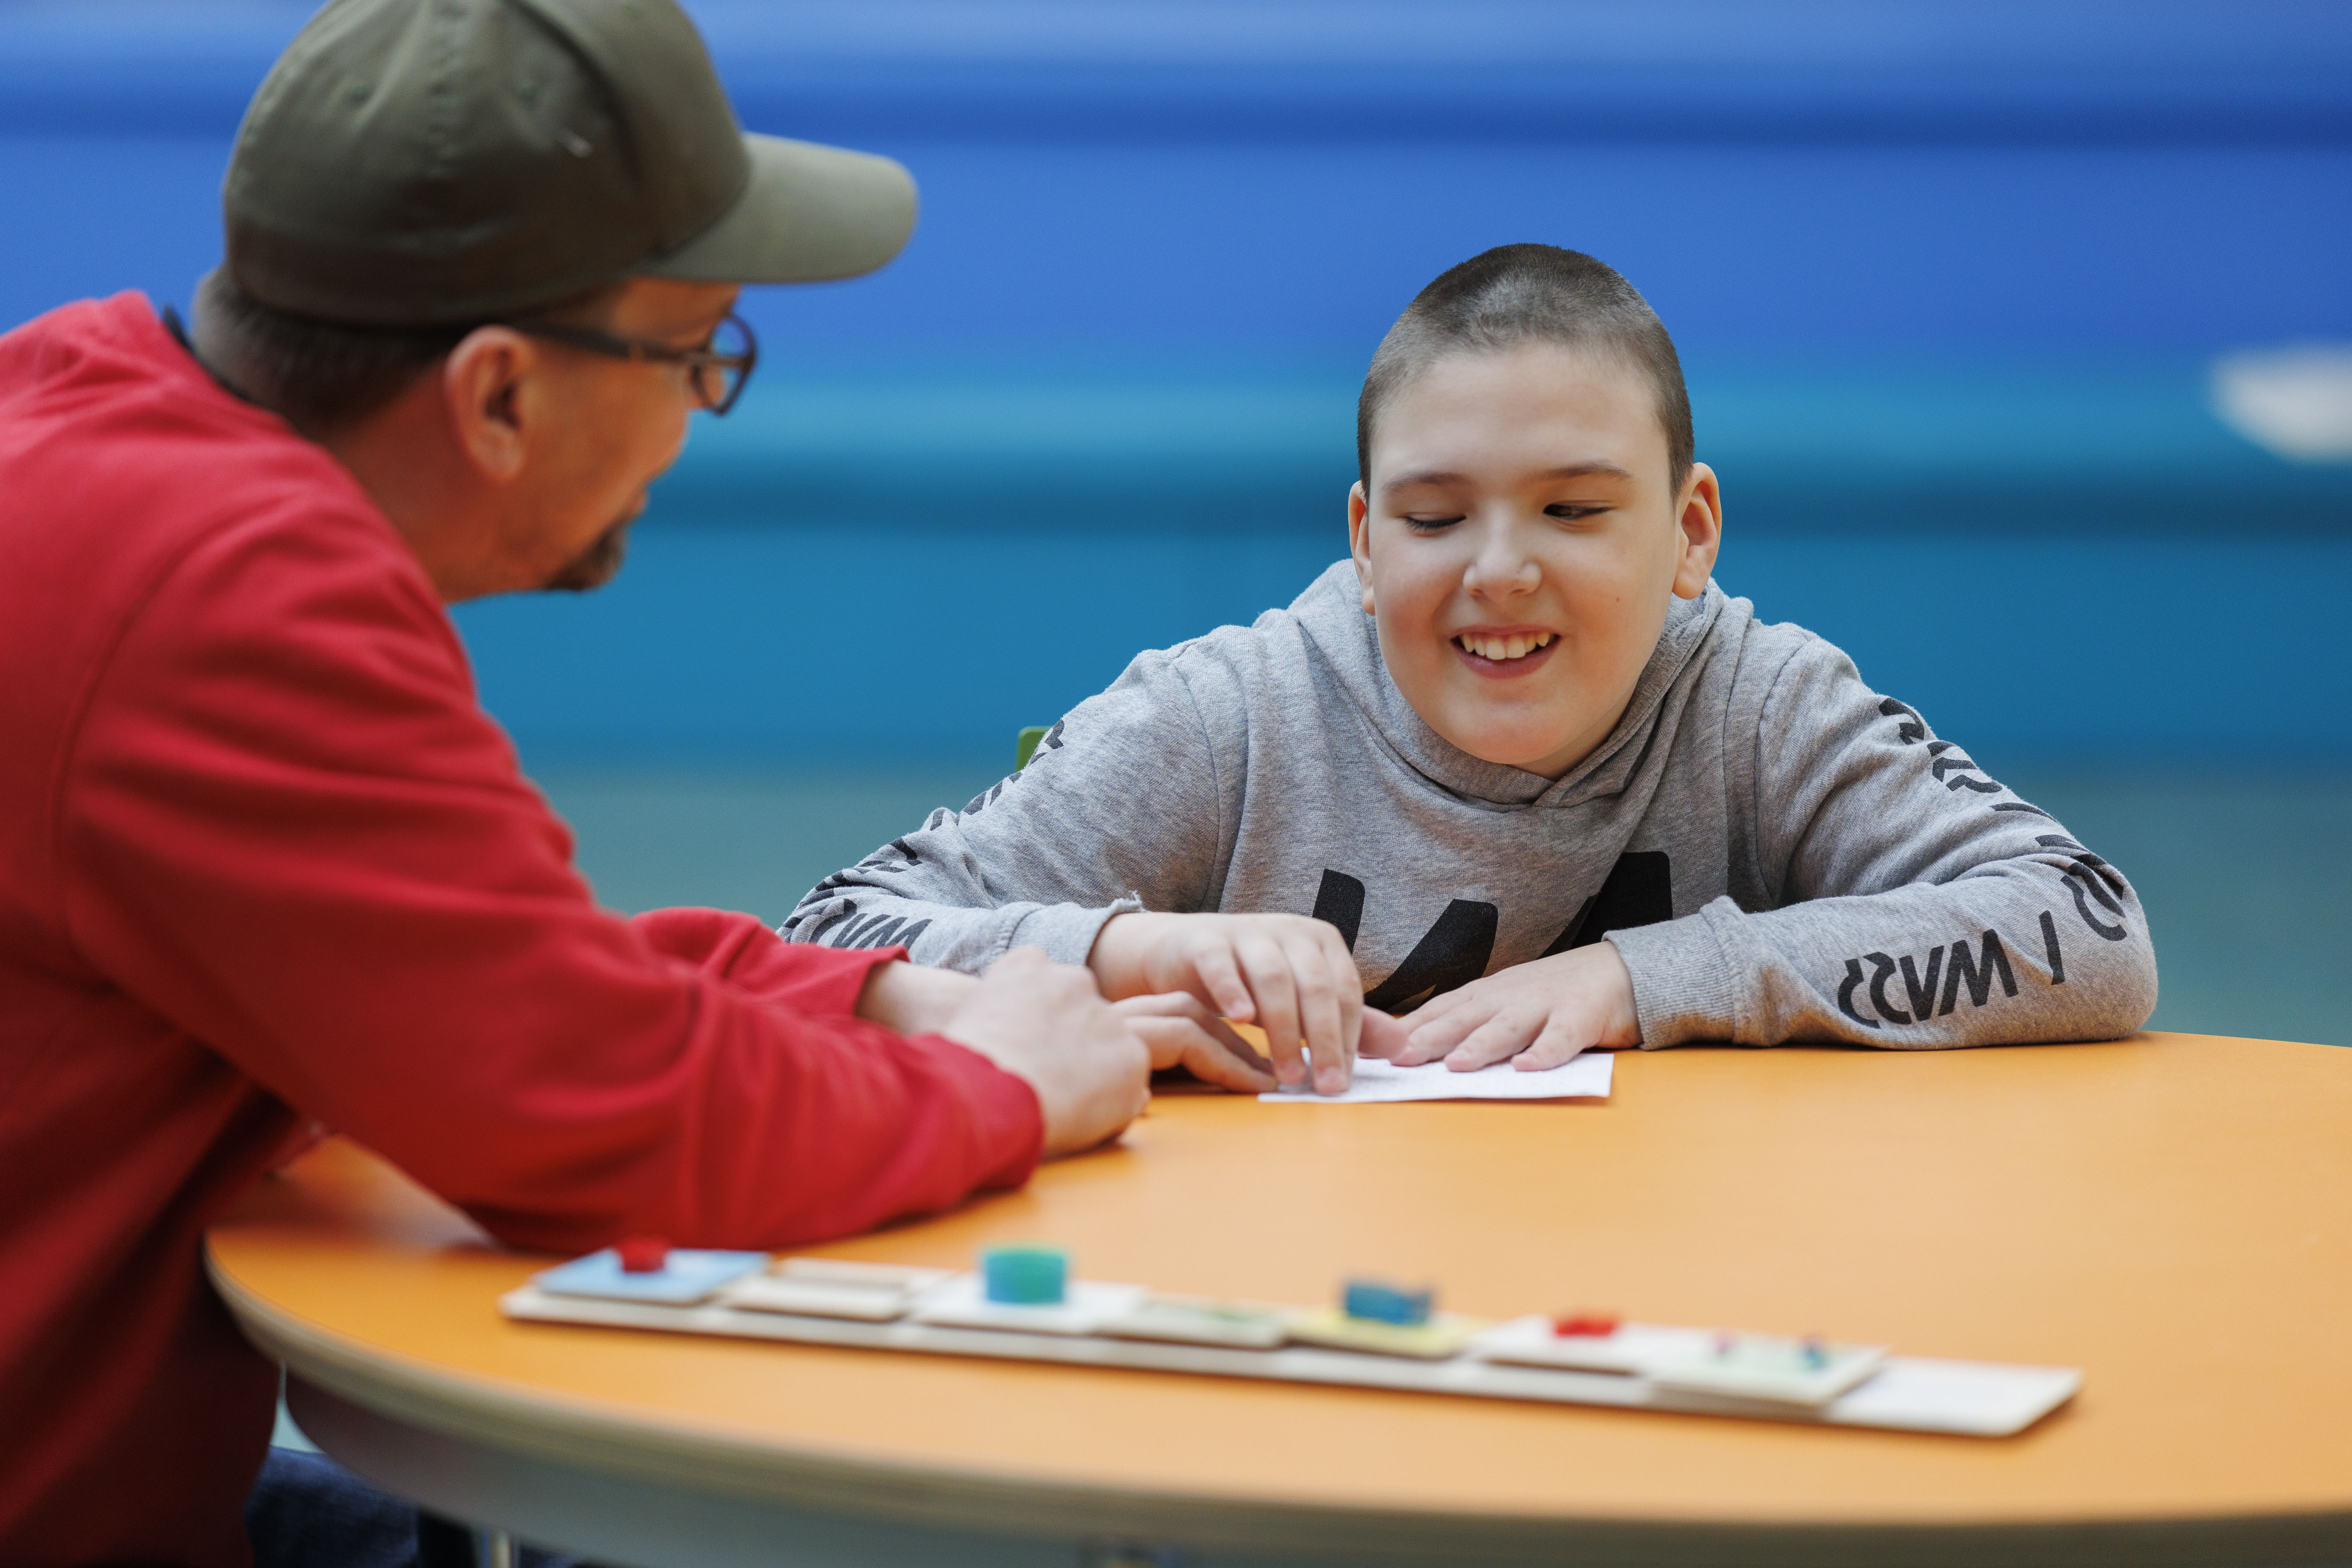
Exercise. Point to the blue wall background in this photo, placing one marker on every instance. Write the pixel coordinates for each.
(1949, 280)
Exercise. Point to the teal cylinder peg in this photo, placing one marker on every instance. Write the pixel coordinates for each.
(1025, 1275)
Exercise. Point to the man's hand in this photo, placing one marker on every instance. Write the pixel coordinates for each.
(1182, 1032)
(1289, 974)
(911, 998)
(1543, 1012)
(1046, 1024)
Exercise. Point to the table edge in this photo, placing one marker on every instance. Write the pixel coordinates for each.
(584, 1434)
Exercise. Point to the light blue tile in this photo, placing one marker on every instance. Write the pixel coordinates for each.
(690, 1274)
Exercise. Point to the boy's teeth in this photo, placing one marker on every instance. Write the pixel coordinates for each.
(1501, 648)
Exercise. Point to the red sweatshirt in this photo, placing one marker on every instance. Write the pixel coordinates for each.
(262, 855)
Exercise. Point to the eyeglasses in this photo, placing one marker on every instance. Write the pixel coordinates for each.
(717, 372)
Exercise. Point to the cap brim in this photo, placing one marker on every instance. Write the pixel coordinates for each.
(809, 212)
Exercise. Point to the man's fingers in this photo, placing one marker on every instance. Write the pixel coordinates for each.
(1164, 1037)
(1161, 1005)
(1165, 1004)
(1232, 1045)
(1047, 1024)
(1502, 1036)
(1180, 1032)
(1228, 1066)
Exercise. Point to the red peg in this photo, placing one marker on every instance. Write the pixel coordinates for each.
(1585, 1325)
(644, 1254)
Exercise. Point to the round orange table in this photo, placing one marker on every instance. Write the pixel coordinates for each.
(2171, 1214)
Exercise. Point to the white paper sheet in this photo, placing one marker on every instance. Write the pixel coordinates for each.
(1378, 1082)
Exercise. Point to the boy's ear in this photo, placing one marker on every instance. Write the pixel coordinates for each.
(1360, 542)
(1701, 525)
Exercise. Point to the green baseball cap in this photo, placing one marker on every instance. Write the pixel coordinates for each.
(421, 162)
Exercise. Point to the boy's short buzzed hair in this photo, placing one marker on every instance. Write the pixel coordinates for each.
(1516, 294)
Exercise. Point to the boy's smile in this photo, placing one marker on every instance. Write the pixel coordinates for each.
(1501, 652)
(1520, 545)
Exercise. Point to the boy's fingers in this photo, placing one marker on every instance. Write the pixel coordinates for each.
(1347, 985)
(1437, 1036)
(1444, 1002)
(1382, 1036)
(1418, 1052)
(1214, 968)
(1432, 1037)
(1499, 1039)
(1268, 970)
(1438, 1025)
(1318, 1015)
(1559, 1045)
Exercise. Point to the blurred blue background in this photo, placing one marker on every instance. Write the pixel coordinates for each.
(1984, 308)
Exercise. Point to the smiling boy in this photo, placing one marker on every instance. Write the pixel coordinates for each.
(1517, 770)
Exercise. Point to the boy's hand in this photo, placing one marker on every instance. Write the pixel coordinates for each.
(1289, 974)
(1045, 1023)
(1543, 1012)
(1182, 1031)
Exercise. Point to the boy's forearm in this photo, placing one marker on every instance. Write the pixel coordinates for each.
(1120, 956)
(948, 936)
(1919, 902)
(1046, 857)
(1993, 959)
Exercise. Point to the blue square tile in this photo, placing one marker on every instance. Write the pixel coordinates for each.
(689, 1277)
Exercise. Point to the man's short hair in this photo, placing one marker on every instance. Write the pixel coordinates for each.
(324, 376)
(1517, 294)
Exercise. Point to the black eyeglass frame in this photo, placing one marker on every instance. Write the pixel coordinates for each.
(588, 339)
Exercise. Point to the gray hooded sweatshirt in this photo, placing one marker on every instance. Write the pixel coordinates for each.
(1778, 852)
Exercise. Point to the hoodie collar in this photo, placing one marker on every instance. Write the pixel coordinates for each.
(1331, 614)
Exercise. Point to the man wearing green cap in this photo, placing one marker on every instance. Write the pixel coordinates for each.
(262, 859)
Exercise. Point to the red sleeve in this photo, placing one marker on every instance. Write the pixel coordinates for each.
(742, 950)
(289, 829)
